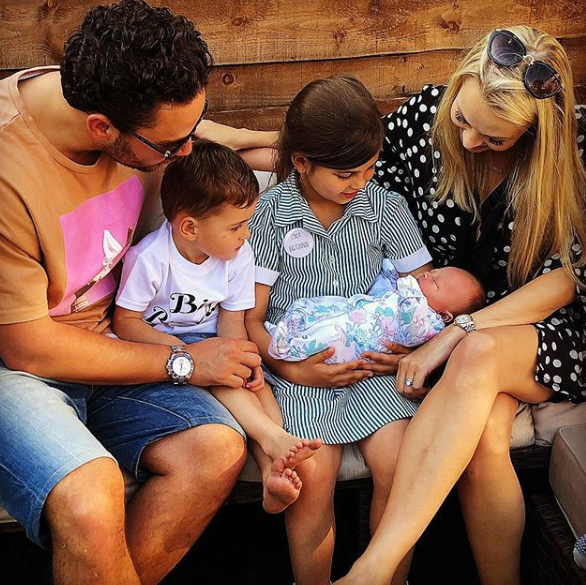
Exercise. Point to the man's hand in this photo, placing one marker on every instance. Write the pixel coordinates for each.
(314, 372)
(220, 361)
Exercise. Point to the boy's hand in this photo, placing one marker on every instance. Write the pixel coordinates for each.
(256, 381)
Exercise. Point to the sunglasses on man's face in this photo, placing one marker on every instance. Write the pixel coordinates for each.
(541, 80)
(172, 149)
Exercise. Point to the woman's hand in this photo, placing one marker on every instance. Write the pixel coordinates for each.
(385, 364)
(314, 372)
(417, 366)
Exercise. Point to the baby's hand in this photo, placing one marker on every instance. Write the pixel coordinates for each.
(256, 381)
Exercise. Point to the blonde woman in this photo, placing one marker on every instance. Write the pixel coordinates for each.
(491, 167)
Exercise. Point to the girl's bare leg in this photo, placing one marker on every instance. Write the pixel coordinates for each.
(442, 437)
(492, 501)
(310, 520)
(380, 451)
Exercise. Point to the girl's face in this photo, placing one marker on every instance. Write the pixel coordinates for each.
(336, 186)
(480, 129)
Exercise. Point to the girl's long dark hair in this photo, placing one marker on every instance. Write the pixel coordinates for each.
(334, 123)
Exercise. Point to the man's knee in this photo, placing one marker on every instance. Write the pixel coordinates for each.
(89, 502)
(206, 450)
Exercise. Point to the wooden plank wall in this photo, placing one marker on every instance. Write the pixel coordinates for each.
(266, 50)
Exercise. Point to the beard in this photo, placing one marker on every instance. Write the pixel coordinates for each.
(121, 152)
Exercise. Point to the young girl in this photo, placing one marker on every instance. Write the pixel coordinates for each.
(324, 231)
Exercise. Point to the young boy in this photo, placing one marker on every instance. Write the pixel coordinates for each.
(193, 278)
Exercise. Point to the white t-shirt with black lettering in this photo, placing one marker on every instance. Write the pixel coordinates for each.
(177, 296)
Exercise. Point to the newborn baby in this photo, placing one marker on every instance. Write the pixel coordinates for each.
(406, 310)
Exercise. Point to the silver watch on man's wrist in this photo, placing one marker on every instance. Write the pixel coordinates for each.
(180, 365)
(466, 323)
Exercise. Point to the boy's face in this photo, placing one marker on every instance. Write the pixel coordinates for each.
(223, 233)
(447, 289)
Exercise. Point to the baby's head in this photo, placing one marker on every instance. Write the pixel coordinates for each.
(451, 291)
(208, 198)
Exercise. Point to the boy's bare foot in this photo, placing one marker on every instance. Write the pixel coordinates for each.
(293, 450)
(281, 488)
(302, 450)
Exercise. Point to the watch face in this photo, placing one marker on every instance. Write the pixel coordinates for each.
(181, 366)
(463, 319)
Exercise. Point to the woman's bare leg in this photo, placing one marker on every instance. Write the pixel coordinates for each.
(310, 520)
(492, 501)
(442, 437)
(380, 451)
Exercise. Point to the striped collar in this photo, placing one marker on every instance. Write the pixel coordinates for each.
(292, 206)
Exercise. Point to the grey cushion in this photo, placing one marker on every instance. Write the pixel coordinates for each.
(567, 475)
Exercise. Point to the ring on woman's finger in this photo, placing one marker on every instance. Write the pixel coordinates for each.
(408, 382)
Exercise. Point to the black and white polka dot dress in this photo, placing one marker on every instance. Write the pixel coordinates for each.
(409, 165)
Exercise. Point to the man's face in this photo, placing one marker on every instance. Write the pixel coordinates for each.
(172, 131)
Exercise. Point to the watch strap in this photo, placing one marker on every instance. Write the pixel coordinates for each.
(465, 322)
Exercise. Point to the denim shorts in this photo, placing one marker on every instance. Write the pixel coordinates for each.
(49, 428)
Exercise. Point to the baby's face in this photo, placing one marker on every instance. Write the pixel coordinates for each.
(447, 289)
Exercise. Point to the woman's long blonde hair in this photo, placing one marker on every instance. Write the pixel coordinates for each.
(548, 181)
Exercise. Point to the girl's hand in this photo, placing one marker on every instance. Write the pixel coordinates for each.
(314, 372)
(385, 364)
(256, 381)
(425, 359)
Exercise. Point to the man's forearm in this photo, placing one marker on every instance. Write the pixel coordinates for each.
(54, 350)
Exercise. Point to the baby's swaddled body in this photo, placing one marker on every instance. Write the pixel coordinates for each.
(394, 310)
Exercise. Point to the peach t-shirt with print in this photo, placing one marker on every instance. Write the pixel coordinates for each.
(63, 226)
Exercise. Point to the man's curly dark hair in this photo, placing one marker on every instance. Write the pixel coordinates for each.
(129, 58)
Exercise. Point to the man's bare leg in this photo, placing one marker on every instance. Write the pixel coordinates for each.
(492, 500)
(85, 512)
(442, 437)
(193, 473)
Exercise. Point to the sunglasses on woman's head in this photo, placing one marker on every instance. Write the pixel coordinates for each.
(541, 80)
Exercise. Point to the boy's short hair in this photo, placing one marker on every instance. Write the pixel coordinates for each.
(212, 175)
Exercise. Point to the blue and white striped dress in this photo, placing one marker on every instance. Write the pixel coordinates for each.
(298, 258)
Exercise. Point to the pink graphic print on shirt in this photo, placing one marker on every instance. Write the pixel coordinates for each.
(96, 235)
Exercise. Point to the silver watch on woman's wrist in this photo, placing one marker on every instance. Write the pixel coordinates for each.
(466, 323)
(180, 365)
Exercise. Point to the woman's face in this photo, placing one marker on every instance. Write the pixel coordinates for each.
(480, 129)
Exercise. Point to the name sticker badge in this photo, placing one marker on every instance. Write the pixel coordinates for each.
(298, 243)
